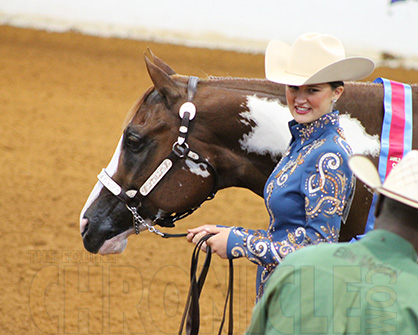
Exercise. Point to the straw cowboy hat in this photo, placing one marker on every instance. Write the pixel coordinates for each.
(402, 182)
(313, 59)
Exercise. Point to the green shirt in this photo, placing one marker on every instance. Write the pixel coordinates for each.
(366, 287)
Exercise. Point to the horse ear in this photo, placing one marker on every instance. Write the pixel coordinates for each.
(160, 63)
(163, 83)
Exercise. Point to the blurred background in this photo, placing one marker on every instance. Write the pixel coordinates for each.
(372, 27)
(69, 73)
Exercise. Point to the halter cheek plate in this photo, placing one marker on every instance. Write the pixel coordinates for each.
(133, 198)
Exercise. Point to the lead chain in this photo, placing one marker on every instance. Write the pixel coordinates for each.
(139, 221)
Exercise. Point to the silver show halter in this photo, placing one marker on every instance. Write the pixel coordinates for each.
(180, 150)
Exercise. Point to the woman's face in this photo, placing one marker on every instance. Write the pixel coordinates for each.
(308, 103)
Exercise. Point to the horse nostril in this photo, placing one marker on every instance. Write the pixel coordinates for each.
(84, 225)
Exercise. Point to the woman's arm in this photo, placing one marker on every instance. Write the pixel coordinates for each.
(325, 184)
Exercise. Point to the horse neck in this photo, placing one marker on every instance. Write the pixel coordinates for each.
(364, 101)
(256, 134)
(249, 123)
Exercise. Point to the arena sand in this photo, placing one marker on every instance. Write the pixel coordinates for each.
(63, 99)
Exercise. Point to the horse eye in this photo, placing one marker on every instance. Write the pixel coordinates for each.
(133, 142)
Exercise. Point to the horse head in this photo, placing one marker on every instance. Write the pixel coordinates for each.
(154, 143)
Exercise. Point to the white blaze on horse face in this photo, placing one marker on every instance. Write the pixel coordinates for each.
(271, 134)
(111, 170)
(356, 136)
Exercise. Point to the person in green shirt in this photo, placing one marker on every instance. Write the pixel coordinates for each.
(366, 287)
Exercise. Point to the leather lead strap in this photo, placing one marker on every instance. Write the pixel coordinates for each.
(191, 313)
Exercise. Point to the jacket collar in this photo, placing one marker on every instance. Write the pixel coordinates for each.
(306, 133)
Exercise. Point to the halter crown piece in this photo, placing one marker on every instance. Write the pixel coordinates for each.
(180, 150)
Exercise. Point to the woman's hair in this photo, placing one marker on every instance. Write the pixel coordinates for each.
(335, 84)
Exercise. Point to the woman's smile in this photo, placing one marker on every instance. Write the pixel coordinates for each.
(302, 110)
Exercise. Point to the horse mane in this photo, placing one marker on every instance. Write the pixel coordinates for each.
(252, 85)
(261, 86)
(247, 85)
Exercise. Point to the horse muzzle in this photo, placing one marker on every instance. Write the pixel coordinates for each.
(106, 231)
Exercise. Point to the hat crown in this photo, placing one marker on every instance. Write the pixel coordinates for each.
(313, 59)
(312, 51)
(403, 179)
(402, 182)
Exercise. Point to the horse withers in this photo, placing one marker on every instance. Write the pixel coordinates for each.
(236, 137)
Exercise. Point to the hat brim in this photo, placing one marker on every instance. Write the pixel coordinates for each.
(351, 68)
(365, 170)
(397, 197)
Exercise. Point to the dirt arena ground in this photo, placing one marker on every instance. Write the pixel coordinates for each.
(63, 98)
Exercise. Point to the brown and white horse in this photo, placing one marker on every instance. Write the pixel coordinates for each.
(238, 134)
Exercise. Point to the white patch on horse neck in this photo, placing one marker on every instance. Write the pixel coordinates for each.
(271, 134)
(111, 170)
(359, 140)
(199, 169)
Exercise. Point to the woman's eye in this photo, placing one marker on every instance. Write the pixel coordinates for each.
(316, 88)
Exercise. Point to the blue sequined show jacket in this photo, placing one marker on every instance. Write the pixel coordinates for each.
(306, 196)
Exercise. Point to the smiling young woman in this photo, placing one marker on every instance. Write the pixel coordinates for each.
(308, 194)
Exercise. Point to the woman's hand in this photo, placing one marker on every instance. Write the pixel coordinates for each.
(217, 243)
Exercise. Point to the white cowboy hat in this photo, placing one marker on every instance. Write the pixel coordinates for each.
(402, 182)
(313, 59)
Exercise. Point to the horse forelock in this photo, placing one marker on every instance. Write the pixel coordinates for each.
(134, 109)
